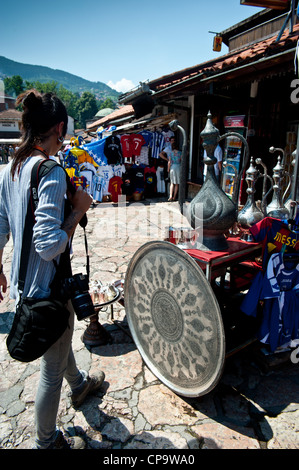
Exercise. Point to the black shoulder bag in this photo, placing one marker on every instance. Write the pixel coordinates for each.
(38, 323)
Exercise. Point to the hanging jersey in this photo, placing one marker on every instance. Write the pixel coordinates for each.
(278, 287)
(128, 183)
(281, 302)
(150, 182)
(137, 141)
(88, 175)
(79, 181)
(147, 136)
(118, 170)
(113, 150)
(274, 234)
(73, 172)
(138, 177)
(143, 157)
(98, 185)
(167, 136)
(114, 187)
(107, 173)
(126, 145)
(71, 164)
(88, 166)
(157, 144)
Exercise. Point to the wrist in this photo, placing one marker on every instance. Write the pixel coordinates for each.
(77, 215)
(1, 269)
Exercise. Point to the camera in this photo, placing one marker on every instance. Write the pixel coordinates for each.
(76, 288)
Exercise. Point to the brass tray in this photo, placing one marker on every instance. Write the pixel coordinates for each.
(174, 318)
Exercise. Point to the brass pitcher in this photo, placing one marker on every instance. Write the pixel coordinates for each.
(211, 213)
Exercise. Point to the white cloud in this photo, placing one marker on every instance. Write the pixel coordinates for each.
(122, 85)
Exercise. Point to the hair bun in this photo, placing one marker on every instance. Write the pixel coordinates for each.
(32, 100)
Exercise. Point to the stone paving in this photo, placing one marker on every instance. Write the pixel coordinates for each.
(252, 407)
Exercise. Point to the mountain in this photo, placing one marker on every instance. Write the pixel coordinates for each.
(42, 74)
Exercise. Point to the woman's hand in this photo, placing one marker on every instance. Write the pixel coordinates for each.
(80, 200)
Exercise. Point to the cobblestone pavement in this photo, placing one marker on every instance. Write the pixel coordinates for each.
(252, 407)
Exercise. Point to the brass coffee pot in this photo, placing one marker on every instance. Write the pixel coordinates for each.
(211, 213)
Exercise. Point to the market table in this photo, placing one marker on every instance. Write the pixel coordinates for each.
(238, 251)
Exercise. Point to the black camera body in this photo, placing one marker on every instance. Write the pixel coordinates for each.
(76, 288)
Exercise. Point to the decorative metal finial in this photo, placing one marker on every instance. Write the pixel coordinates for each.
(210, 137)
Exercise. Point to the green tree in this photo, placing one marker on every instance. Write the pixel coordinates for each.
(108, 103)
(86, 108)
(81, 108)
(48, 87)
(14, 85)
(69, 99)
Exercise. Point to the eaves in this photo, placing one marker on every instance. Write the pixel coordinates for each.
(201, 80)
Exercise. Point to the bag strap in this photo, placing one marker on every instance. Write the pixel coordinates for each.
(40, 169)
(27, 233)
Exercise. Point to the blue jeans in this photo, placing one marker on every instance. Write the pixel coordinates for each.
(58, 362)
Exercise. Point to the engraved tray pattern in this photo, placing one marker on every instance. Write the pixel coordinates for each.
(174, 318)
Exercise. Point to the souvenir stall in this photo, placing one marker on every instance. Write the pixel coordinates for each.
(144, 168)
(229, 280)
(117, 164)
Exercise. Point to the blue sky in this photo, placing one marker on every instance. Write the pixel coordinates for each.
(116, 42)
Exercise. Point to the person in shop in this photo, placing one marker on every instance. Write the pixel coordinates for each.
(167, 149)
(5, 154)
(218, 165)
(173, 156)
(11, 151)
(4, 157)
(44, 121)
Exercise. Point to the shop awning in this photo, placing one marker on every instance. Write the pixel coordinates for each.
(155, 121)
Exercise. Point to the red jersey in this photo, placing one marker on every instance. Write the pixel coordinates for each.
(125, 141)
(131, 144)
(274, 234)
(114, 187)
(137, 141)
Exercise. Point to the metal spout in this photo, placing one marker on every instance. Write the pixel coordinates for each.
(265, 177)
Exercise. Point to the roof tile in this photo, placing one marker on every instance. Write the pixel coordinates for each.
(266, 47)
